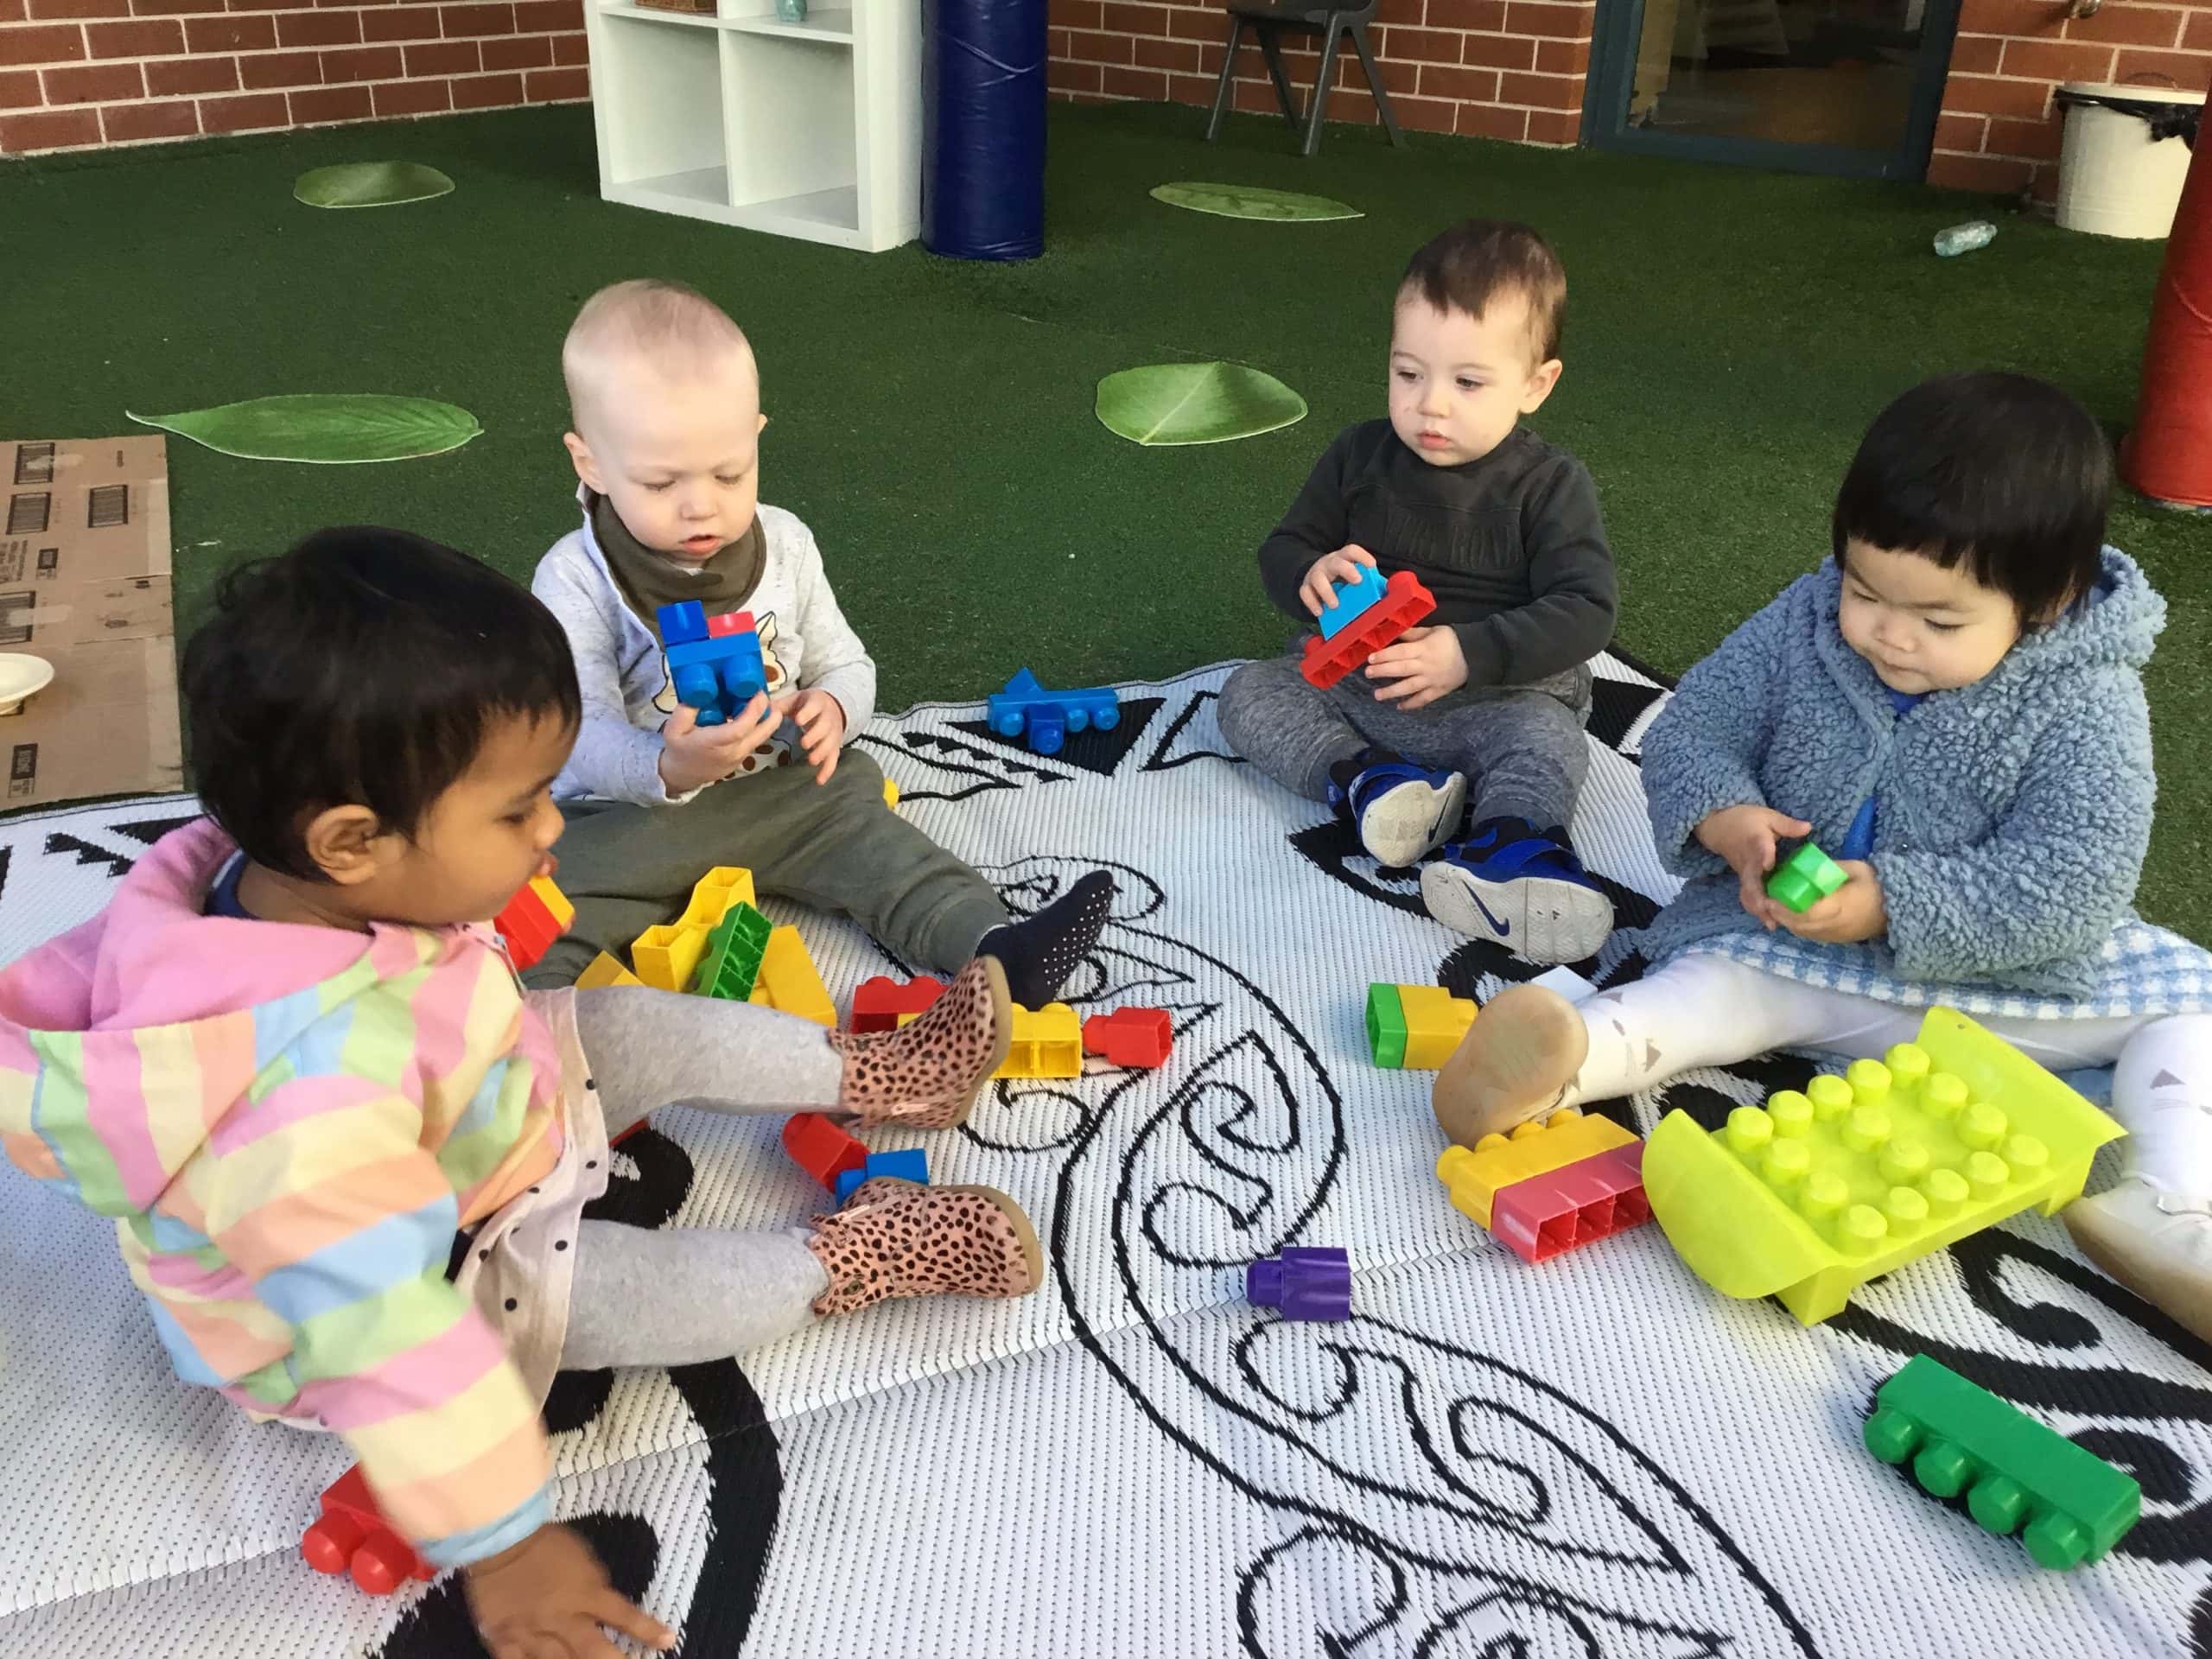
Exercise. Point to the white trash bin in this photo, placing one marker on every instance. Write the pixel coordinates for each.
(2116, 177)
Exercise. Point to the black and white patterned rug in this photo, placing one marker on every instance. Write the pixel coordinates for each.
(1598, 1456)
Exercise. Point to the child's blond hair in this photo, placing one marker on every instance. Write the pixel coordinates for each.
(668, 326)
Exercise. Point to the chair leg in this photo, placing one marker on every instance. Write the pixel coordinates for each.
(1374, 84)
(1227, 75)
(1322, 77)
(1271, 50)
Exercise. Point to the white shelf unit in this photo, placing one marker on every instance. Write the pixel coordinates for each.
(811, 128)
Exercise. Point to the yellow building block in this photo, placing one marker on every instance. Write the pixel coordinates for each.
(891, 794)
(554, 900)
(789, 982)
(1475, 1178)
(1819, 1190)
(1435, 1021)
(606, 970)
(669, 956)
(716, 891)
(1047, 1043)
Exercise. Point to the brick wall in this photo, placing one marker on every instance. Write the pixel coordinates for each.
(75, 73)
(1998, 129)
(1488, 68)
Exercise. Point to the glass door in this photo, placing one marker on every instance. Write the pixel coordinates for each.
(1809, 86)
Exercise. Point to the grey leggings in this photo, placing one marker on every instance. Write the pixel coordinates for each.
(1522, 747)
(679, 1296)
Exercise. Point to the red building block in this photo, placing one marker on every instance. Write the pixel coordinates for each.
(1130, 1036)
(730, 623)
(1404, 602)
(821, 1149)
(879, 1001)
(353, 1536)
(532, 921)
(1594, 1199)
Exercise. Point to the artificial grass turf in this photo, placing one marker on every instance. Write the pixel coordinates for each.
(1730, 333)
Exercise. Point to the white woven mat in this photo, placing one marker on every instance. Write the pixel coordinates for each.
(1595, 1456)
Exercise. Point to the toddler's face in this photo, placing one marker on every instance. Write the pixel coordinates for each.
(481, 840)
(1459, 384)
(678, 456)
(1921, 628)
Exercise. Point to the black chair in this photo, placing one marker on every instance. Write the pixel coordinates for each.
(1332, 24)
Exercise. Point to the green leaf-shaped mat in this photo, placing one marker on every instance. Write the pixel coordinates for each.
(1252, 201)
(370, 184)
(325, 427)
(1195, 403)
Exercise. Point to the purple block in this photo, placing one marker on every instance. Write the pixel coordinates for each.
(1305, 1283)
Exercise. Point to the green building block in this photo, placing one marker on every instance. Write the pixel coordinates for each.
(2013, 1469)
(734, 953)
(1386, 1026)
(1803, 879)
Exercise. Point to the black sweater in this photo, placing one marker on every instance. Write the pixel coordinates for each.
(1512, 545)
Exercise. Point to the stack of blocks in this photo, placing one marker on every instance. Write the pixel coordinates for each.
(1416, 1027)
(732, 959)
(841, 1163)
(714, 662)
(1550, 1187)
(1813, 1194)
(534, 918)
(1025, 708)
(1803, 879)
(1354, 599)
(1330, 656)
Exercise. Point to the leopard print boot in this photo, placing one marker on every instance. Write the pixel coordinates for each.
(899, 1239)
(924, 1075)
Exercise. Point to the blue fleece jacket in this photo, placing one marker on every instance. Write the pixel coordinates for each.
(2014, 813)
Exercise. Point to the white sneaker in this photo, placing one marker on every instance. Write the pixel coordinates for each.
(2158, 1244)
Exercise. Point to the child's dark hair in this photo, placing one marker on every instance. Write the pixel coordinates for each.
(365, 667)
(1476, 261)
(2001, 473)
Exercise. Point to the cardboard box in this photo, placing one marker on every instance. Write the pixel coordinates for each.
(86, 583)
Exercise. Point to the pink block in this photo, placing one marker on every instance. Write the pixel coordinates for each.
(1586, 1201)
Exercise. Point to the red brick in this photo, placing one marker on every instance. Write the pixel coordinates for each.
(1499, 52)
(1554, 126)
(517, 52)
(128, 124)
(1488, 15)
(1540, 92)
(186, 75)
(229, 34)
(1487, 121)
(2197, 33)
(1072, 77)
(2163, 69)
(1149, 85)
(319, 28)
(48, 129)
(251, 112)
(1397, 77)
(1419, 45)
(555, 86)
(2038, 141)
(361, 63)
(1563, 57)
(64, 10)
(1425, 114)
(2057, 60)
(442, 58)
(1409, 11)
(266, 69)
(1188, 23)
(547, 17)
(1558, 23)
(1992, 95)
(1253, 97)
(1990, 175)
(172, 7)
(2037, 19)
(98, 83)
(1191, 89)
(155, 37)
(1125, 19)
(319, 104)
(471, 23)
(400, 23)
(11, 11)
(19, 90)
(1090, 46)
(486, 92)
(1450, 80)
(1976, 55)
(54, 43)
(569, 48)
(1167, 54)
(413, 98)
(1074, 13)
(2130, 23)
(1960, 132)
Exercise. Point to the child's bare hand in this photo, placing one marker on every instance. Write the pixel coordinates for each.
(1854, 912)
(692, 756)
(821, 720)
(1746, 838)
(1421, 664)
(1319, 590)
(548, 1596)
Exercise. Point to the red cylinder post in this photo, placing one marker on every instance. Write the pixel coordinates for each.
(2169, 455)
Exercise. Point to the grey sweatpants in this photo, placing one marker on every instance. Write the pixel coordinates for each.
(681, 1296)
(1522, 747)
(833, 846)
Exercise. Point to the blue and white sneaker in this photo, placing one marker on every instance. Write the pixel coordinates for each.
(1510, 882)
(1404, 811)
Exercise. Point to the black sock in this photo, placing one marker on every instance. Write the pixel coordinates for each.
(1342, 773)
(1510, 831)
(1038, 952)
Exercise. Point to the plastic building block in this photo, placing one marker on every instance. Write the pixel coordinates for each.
(1416, 1027)
(821, 1149)
(1047, 1043)
(891, 794)
(606, 970)
(1047, 716)
(2013, 1469)
(911, 1165)
(667, 956)
(714, 892)
(1306, 1283)
(1814, 1193)
(534, 918)
(1475, 1177)
(1140, 1037)
(1354, 599)
(789, 982)
(714, 664)
(1404, 602)
(732, 961)
(879, 1001)
(352, 1536)
(1803, 879)
(1564, 1209)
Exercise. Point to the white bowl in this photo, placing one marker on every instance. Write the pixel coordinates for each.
(21, 677)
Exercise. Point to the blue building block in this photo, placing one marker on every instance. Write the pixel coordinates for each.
(911, 1165)
(1353, 598)
(685, 623)
(1048, 716)
(717, 667)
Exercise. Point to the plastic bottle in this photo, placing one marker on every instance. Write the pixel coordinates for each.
(1964, 238)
